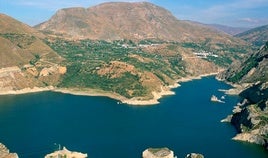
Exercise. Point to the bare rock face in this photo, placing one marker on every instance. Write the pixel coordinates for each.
(250, 115)
(15, 78)
(251, 120)
(4, 152)
(158, 153)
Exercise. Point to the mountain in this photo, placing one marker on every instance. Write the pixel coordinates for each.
(257, 36)
(136, 50)
(143, 21)
(11, 25)
(20, 43)
(228, 29)
(250, 115)
(24, 56)
(135, 21)
(128, 51)
(252, 69)
(119, 68)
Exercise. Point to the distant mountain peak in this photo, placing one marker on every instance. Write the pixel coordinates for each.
(125, 20)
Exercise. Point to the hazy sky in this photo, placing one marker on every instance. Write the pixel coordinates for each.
(240, 13)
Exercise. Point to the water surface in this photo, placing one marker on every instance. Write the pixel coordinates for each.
(35, 124)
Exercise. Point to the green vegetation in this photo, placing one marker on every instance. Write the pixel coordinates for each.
(226, 53)
(121, 66)
(151, 41)
(35, 59)
(250, 63)
(256, 36)
(85, 58)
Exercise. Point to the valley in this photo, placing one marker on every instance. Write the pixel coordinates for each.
(125, 64)
(136, 53)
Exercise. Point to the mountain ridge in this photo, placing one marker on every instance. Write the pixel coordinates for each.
(250, 115)
(257, 36)
(125, 20)
(25, 57)
(229, 29)
(109, 46)
(10, 25)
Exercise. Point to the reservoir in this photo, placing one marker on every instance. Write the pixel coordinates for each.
(34, 125)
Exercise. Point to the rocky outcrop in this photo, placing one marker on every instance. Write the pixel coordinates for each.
(194, 155)
(15, 79)
(250, 117)
(158, 153)
(165, 153)
(53, 70)
(66, 154)
(215, 99)
(4, 152)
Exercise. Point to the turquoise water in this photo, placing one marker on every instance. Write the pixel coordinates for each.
(34, 124)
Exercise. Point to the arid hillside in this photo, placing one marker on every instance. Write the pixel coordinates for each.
(257, 36)
(20, 43)
(135, 21)
(26, 61)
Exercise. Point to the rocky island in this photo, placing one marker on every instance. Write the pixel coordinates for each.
(66, 154)
(165, 153)
(194, 155)
(4, 152)
(158, 153)
(215, 99)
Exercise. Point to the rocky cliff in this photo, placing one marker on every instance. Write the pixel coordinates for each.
(250, 116)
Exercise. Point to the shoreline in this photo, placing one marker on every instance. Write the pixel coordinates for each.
(236, 88)
(27, 90)
(121, 99)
